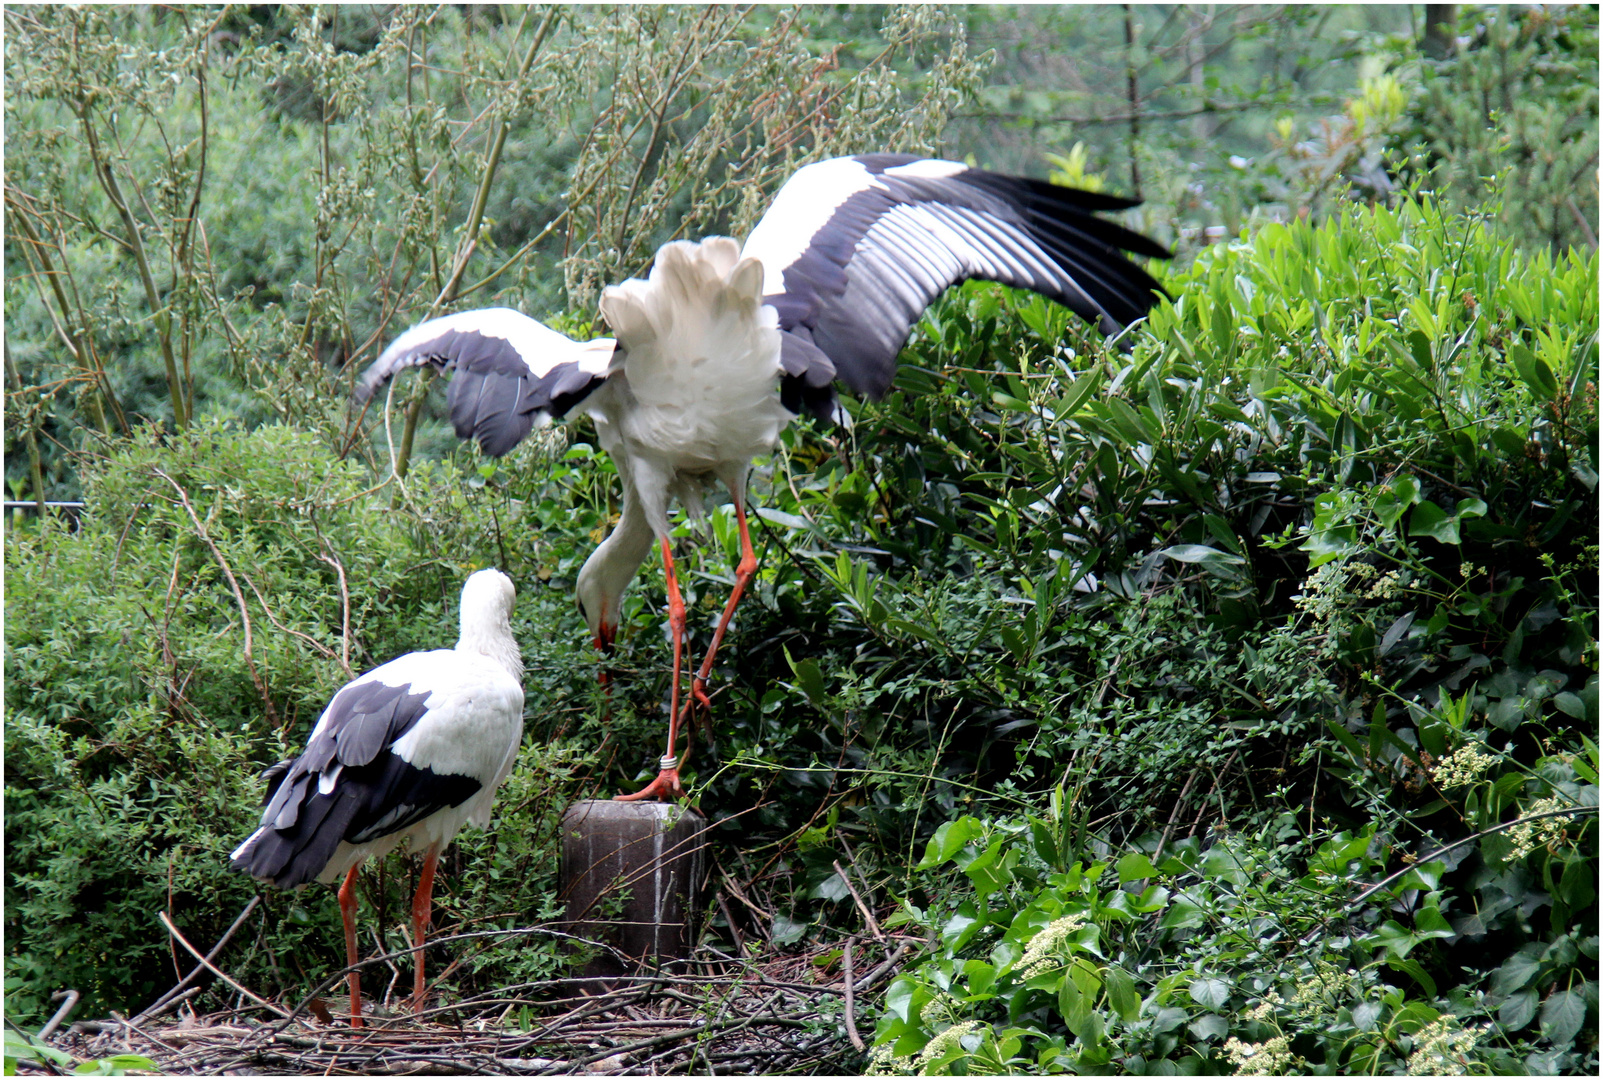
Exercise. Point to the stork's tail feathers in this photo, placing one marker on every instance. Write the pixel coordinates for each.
(688, 281)
(697, 324)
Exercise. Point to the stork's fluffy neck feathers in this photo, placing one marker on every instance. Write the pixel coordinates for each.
(487, 600)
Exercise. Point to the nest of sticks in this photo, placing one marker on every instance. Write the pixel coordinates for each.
(761, 1013)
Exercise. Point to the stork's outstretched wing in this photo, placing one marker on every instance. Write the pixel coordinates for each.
(855, 249)
(513, 373)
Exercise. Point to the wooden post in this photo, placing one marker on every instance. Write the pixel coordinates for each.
(631, 876)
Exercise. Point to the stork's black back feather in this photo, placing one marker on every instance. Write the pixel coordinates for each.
(374, 792)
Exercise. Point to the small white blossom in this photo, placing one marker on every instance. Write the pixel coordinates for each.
(1038, 953)
(884, 1061)
(950, 1039)
(1527, 836)
(1265, 1009)
(1386, 586)
(1463, 766)
(1270, 1058)
(1439, 1050)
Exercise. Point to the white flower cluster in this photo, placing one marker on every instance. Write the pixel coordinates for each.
(950, 1039)
(1527, 836)
(1439, 1050)
(1038, 954)
(1265, 1009)
(937, 1009)
(1322, 591)
(1270, 1058)
(1386, 586)
(884, 1061)
(1326, 988)
(1463, 766)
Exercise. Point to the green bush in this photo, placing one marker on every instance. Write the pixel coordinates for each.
(141, 707)
(1342, 506)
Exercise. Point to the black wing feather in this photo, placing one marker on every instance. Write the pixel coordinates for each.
(376, 792)
(881, 255)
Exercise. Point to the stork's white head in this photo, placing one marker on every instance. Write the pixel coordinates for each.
(600, 596)
(487, 599)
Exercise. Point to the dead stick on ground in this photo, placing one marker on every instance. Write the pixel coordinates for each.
(173, 930)
(851, 1020)
(187, 979)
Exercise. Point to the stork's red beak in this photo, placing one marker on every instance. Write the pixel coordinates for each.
(606, 638)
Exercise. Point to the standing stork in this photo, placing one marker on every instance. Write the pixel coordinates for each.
(722, 346)
(412, 750)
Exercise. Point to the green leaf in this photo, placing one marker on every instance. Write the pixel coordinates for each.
(1562, 1016)
(1134, 867)
(1412, 969)
(779, 517)
(1518, 1010)
(809, 678)
(1182, 914)
(1221, 563)
(1121, 993)
(1419, 348)
(962, 926)
(787, 931)
(980, 976)
(949, 839)
(899, 997)
(1517, 971)
(1211, 993)
(1079, 391)
(1534, 371)
(1430, 520)
(1394, 938)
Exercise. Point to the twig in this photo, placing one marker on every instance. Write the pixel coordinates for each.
(173, 930)
(1169, 828)
(846, 977)
(239, 595)
(61, 1014)
(1388, 879)
(868, 916)
(888, 965)
(160, 1003)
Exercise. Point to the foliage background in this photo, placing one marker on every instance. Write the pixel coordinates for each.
(1122, 679)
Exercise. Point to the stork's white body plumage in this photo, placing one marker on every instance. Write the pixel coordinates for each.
(408, 752)
(720, 347)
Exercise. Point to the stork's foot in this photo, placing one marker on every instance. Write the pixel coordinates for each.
(665, 788)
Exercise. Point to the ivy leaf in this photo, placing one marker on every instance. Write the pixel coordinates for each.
(787, 931)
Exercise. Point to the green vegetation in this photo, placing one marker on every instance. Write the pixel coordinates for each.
(1226, 705)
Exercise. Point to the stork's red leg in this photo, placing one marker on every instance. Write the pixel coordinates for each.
(743, 574)
(666, 785)
(422, 909)
(347, 897)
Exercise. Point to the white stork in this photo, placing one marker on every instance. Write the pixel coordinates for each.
(412, 750)
(722, 346)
